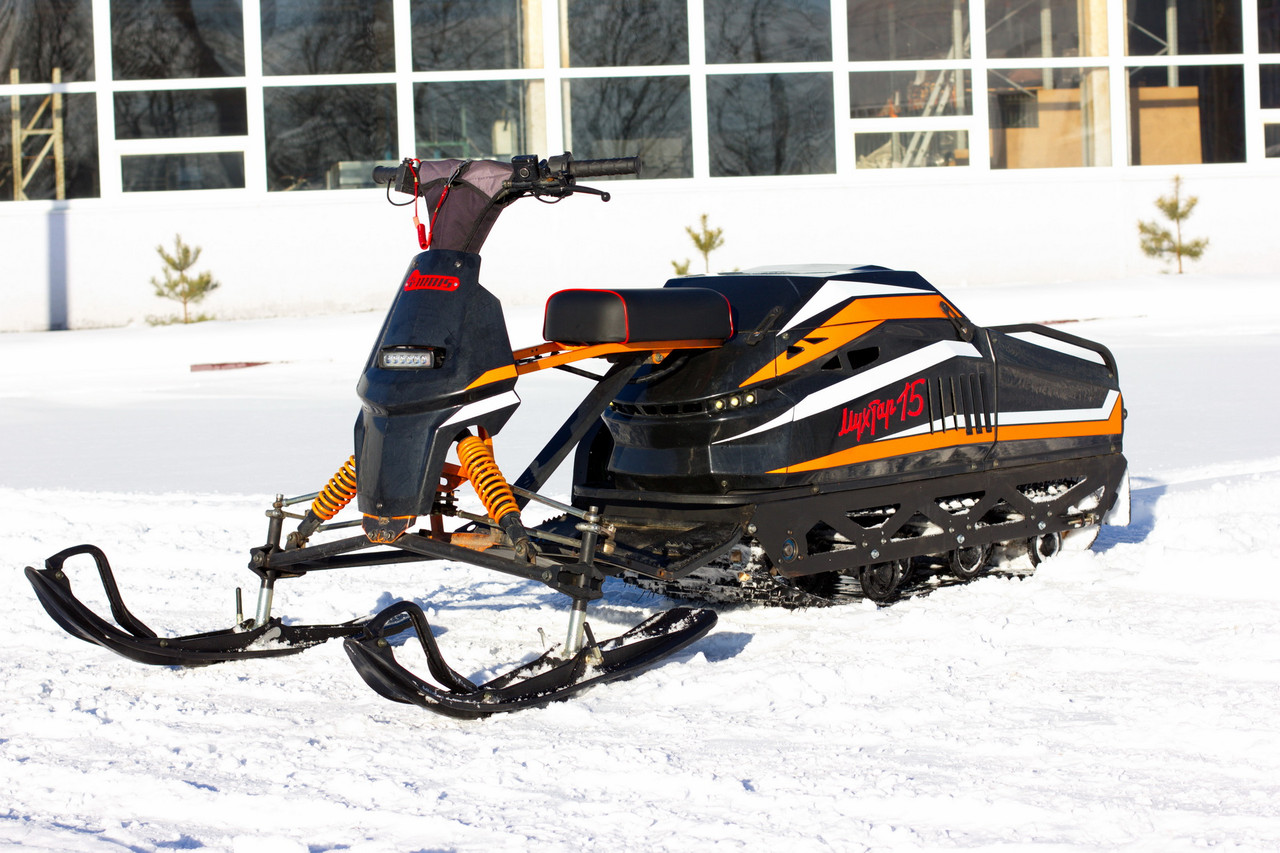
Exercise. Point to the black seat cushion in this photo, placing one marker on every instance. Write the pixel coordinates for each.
(642, 315)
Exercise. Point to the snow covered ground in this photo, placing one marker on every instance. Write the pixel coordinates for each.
(1126, 698)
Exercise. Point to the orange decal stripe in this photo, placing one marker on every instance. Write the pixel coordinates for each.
(543, 356)
(888, 447)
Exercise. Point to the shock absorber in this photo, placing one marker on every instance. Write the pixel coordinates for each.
(478, 466)
(336, 494)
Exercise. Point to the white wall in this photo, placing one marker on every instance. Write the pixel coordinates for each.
(88, 263)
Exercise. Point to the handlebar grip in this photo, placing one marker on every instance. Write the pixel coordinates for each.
(384, 174)
(601, 168)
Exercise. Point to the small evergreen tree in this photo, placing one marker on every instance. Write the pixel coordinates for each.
(681, 267)
(177, 284)
(706, 240)
(1158, 241)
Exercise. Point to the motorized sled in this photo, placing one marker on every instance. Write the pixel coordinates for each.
(794, 435)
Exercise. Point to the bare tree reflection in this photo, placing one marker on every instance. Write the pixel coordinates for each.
(310, 128)
(768, 30)
(327, 36)
(771, 124)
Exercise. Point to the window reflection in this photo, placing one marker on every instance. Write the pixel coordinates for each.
(1042, 119)
(37, 37)
(771, 124)
(454, 35)
(155, 172)
(327, 36)
(908, 29)
(1027, 28)
(768, 30)
(328, 137)
(1269, 26)
(479, 120)
(1270, 86)
(165, 39)
(1186, 114)
(625, 116)
(890, 94)
(1176, 27)
(37, 178)
(181, 113)
(1271, 139)
(911, 150)
(610, 33)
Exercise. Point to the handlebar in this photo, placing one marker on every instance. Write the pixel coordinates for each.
(554, 176)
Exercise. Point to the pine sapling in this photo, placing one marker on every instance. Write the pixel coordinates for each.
(177, 284)
(706, 240)
(1158, 242)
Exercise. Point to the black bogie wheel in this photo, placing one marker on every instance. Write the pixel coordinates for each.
(968, 563)
(1041, 548)
(882, 581)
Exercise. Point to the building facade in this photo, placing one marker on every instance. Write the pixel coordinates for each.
(974, 140)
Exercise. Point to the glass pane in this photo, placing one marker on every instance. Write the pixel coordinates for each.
(891, 94)
(327, 37)
(38, 175)
(165, 39)
(1187, 114)
(1020, 29)
(156, 172)
(625, 116)
(611, 33)
(36, 38)
(1177, 27)
(478, 121)
(328, 137)
(908, 29)
(183, 112)
(1271, 139)
(907, 150)
(452, 35)
(771, 124)
(768, 30)
(1048, 119)
(1270, 79)
(1269, 26)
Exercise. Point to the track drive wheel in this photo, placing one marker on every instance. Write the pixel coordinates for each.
(1041, 548)
(968, 563)
(882, 581)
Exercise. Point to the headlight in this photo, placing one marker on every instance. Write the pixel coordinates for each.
(410, 358)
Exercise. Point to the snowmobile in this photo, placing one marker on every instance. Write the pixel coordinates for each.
(793, 435)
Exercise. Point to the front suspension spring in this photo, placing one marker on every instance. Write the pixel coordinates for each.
(478, 466)
(337, 493)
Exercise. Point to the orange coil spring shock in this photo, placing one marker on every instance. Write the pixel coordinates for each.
(337, 493)
(479, 467)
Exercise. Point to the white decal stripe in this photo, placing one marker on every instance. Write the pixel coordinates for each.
(471, 411)
(1061, 415)
(1042, 340)
(834, 292)
(864, 383)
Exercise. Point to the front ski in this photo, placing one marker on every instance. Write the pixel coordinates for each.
(542, 681)
(131, 638)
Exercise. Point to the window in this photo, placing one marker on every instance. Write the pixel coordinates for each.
(152, 172)
(911, 149)
(1186, 114)
(174, 113)
(37, 176)
(328, 137)
(625, 116)
(1178, 27)
(166, 39)
(908, 29)
(1020, 29)
(1269, 26)
(1049, 118)
(771, 124)
(478, 120)
(611, 33)
(768, 30)
(36, 38)
(456, 35)
(895, 94)
(327, 37)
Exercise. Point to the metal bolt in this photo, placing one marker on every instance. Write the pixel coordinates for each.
(875, 555)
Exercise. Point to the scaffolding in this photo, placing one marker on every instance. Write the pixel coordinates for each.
(25, 168)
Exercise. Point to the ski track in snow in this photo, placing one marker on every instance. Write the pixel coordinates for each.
(1120, 699)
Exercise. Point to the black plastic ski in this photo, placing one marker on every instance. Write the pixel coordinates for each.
(131, 638)
(540, 682)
